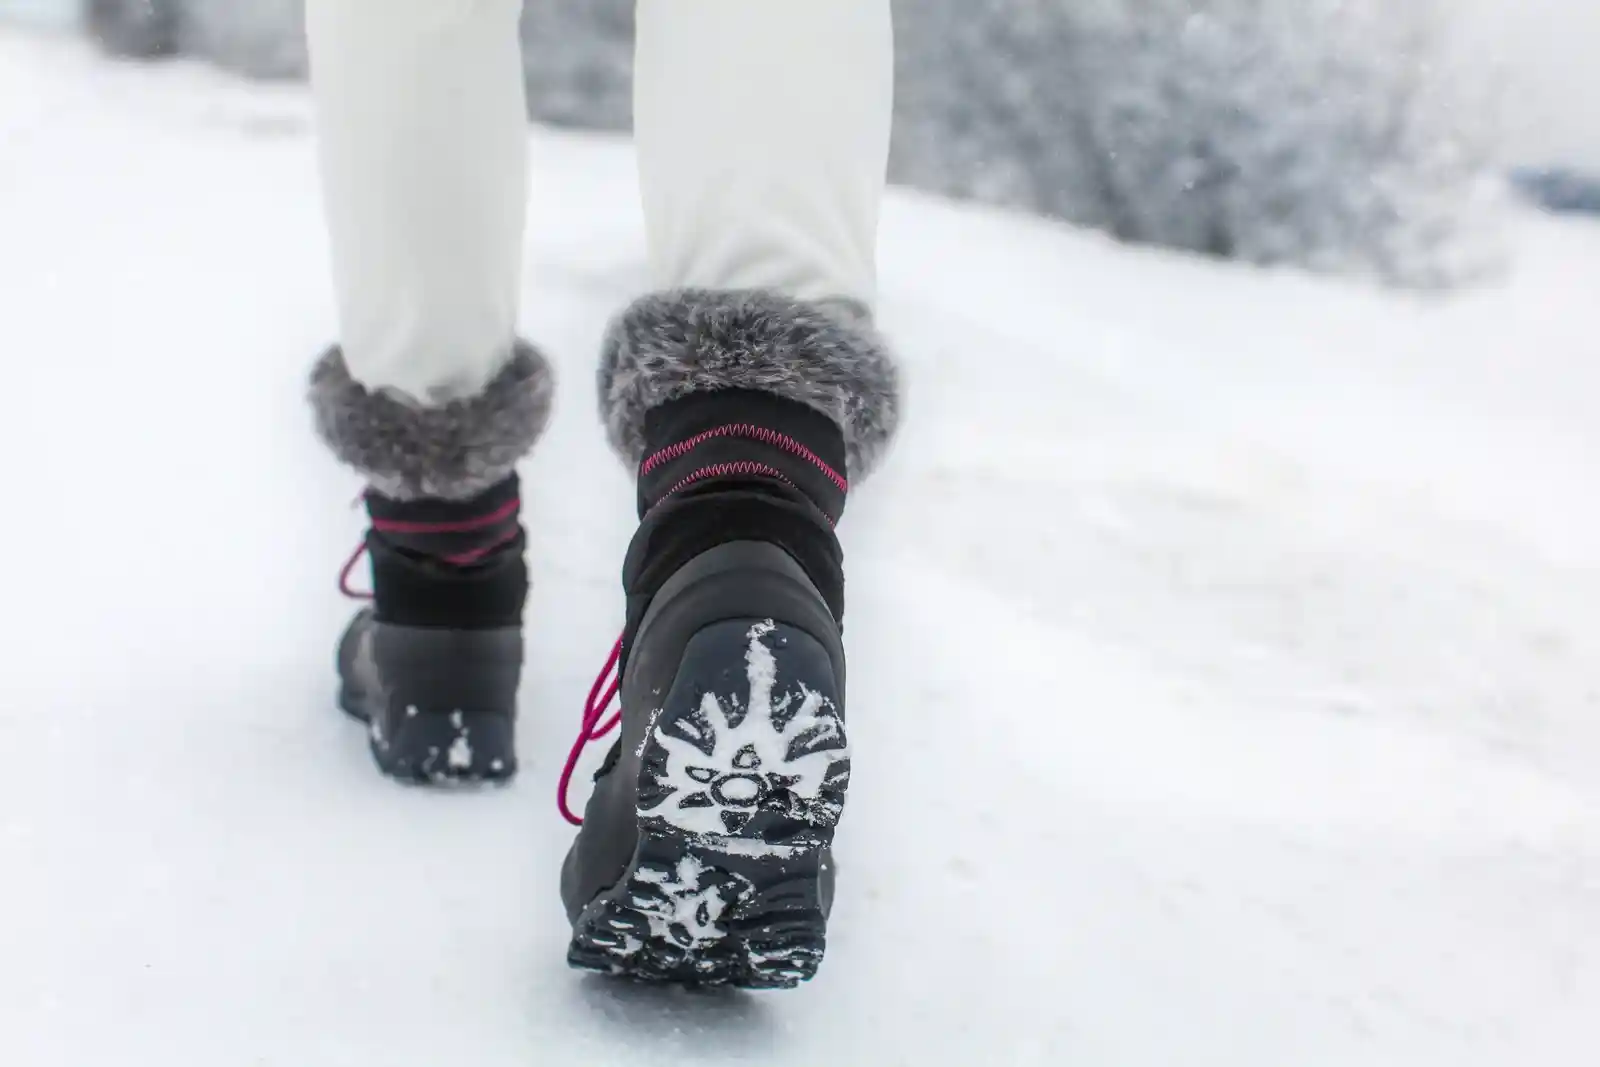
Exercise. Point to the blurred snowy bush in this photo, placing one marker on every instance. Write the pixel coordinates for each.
(261, 38)
(1335, 135)
(580, 62)
(1329, 134)
(139, 28)
(1559, 190)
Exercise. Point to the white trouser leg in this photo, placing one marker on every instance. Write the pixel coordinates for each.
(763, 138)
(423, 142)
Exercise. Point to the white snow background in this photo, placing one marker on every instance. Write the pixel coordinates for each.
(1225, 647)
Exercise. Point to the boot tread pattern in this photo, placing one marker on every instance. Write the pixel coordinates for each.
(742, 783)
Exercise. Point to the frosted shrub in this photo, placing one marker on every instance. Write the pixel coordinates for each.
(580, 62)
(987, 107)
(1330, 134)
(261, 38)
(1324, 133)
(143, 29)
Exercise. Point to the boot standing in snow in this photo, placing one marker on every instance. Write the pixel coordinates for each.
(748, 390)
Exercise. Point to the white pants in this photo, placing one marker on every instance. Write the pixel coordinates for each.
(762, 129)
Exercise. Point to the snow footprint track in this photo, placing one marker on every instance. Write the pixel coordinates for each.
(739, 792)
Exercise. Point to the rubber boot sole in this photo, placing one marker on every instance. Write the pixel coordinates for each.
(741, 785)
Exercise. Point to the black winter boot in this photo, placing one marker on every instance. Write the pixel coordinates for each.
(706, 853)
(704, 856)
(433, 666)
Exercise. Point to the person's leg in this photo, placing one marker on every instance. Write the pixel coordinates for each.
(423, 147)
(430, 395)
(749, 390)
(763, 138)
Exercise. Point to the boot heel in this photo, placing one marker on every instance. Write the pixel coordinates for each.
(440, 706)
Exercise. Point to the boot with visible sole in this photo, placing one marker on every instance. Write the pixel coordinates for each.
(705, 854)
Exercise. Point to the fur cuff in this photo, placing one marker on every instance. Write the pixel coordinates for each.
(453, 451)
(826, 355)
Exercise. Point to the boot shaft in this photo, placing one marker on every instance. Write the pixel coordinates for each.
(737, 466)
(448, 564)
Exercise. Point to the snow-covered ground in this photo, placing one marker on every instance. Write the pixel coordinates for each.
(1225, 648)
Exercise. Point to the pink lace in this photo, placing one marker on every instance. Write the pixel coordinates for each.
(345, 585)
(349, 568)
(601, 694)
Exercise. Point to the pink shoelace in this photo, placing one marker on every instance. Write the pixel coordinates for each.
(346, 586)
(595, 726)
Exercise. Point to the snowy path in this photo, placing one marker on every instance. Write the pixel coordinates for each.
(1225, 649)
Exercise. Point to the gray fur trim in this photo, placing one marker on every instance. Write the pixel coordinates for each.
(452, 451)
(826, 355)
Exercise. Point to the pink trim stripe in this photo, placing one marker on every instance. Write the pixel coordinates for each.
(502, 514)
(754, 433)
(723, 470)
(494, 518)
